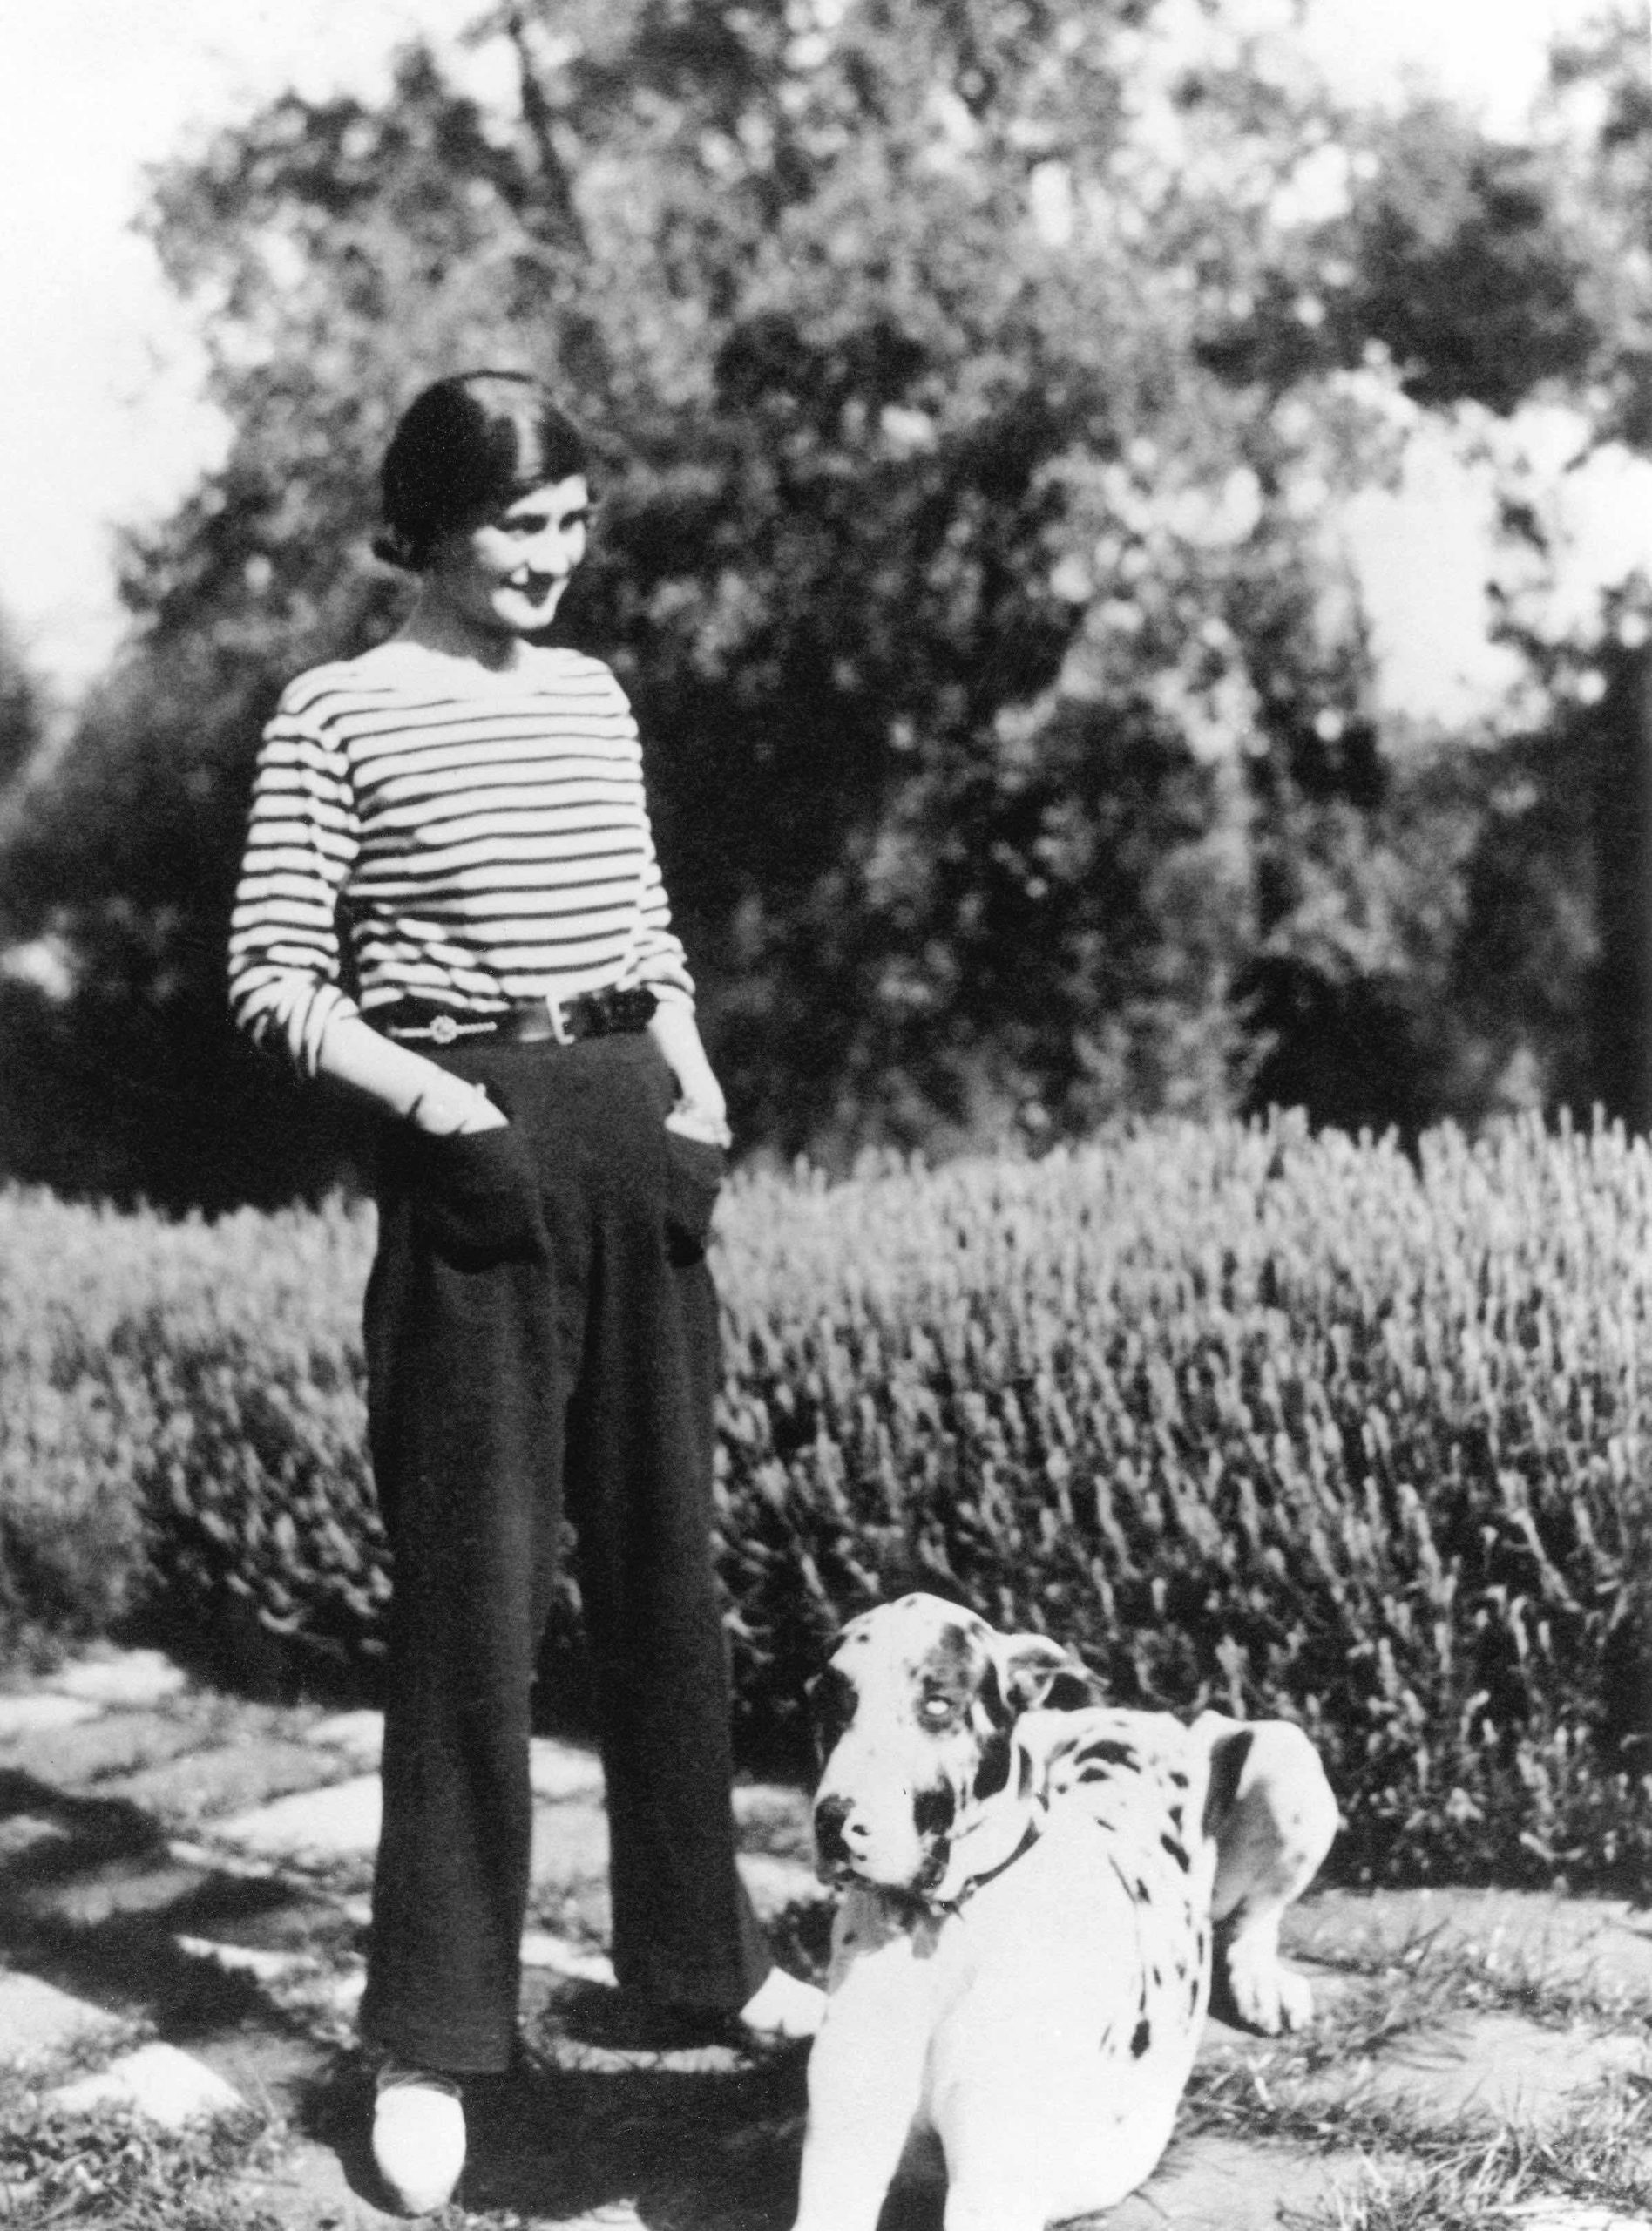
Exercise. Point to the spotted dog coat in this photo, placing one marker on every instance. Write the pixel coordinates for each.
(1042, 1895)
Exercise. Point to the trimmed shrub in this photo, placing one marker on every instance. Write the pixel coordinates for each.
(183, 1420)
(1254, 1419)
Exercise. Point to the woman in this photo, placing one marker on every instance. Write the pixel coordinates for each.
(540, 1326)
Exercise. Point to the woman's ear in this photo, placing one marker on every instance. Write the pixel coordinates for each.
(1038, 1675)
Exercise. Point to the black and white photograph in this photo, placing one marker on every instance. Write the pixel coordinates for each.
(826, 1115)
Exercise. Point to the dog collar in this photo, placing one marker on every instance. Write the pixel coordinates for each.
(967, 1890)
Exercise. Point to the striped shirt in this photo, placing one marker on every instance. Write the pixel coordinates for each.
(483, 840)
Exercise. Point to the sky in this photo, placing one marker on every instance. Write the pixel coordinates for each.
(102, 420)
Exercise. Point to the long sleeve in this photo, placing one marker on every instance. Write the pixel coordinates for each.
(656, 957)
(302, 840)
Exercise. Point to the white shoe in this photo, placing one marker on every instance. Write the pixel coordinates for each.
(783, 2007)
(418, 2138)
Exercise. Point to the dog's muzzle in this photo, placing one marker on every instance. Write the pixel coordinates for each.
(837, 1835)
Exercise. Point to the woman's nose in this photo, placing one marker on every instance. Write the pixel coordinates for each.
(556, 552)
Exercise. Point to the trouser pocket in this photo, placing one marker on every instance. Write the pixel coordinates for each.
(476, 1196)
(694, 1173)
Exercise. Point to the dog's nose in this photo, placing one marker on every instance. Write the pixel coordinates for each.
(835, 1829)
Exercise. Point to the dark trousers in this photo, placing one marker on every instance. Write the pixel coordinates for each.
(497, 1398)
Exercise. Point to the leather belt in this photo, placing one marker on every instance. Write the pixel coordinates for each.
(525, 1022)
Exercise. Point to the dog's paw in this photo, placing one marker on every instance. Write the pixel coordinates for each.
(1251, 1989)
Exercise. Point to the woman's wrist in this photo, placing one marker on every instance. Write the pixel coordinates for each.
(450, 1104)
(696, 1120)
(697, 1085)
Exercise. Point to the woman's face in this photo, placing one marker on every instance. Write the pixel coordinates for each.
(505, 576)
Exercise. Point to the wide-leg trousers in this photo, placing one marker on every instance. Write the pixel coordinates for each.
(583, 1381)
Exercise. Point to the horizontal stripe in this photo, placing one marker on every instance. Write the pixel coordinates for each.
(485, 846)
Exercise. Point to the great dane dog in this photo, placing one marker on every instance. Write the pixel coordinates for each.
(1042, 1895)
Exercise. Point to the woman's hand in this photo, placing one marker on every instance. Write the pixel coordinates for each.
(702, 1112)
(708, 1125)
(402, 1083)
(449, 1106)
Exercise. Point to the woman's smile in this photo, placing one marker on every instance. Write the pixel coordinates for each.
(506, 575)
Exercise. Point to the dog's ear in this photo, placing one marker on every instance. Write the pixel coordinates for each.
(831, 1707)
(1038, 1675)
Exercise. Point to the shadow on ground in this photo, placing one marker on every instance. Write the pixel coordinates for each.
(93, 1902)
(684, 2148)
(692, 2132)
(687, 2149)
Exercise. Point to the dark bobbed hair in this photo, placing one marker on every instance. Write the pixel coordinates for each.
(465, 448)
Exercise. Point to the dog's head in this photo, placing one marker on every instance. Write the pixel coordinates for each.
(924, 1786)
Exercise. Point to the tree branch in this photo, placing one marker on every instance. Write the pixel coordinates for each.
(557, 193)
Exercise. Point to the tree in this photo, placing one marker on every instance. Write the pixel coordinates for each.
(23, 712)
(976, 375)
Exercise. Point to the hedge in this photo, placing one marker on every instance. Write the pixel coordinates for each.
(1274, 1421)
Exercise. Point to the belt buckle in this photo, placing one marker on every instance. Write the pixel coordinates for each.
(559, 1029)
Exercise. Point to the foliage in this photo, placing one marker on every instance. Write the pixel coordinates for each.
(22, 710)
(1253, 1419)
(183, 1412)
(976, 379)
(1438, 2171)
(113, 2167)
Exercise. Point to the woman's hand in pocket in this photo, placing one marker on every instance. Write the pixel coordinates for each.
(477, 1189)
(695, 1168)
(708, 1125)
(449, 1106)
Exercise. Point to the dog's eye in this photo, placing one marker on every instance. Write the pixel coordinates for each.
(935, 1710)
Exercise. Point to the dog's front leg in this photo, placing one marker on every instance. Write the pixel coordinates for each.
(866, 2068)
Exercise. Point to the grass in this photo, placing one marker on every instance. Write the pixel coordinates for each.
(1317, 2092)
(709, 2139)
(1471, 1977)
(110, 2168)
(1467, 2178)
(117, 2169)
(718, 2141)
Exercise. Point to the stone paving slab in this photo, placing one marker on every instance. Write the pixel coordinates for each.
(37, 2018)
(359, 1735)
(224, 1778)
(44, 1836)
(263, 1962)
(558, 1772)
(37, 1712)
(300, 1791)
(777, 1885)
(309, 2191)
(157, 2081)
(570, 1848)
(239, 1866)
(1600, 1944)
(107, 1743)
(1214, 2183)
(116, 1889)
(560, 1955)
(1484, 2067)
(339, 1820)
(29, 1837)
(125, 1678)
